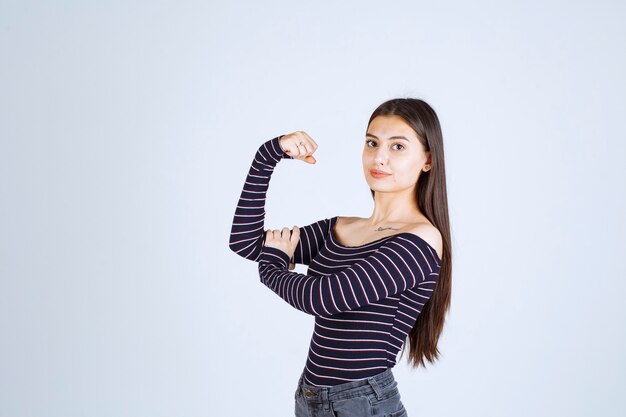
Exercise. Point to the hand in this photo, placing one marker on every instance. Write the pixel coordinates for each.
(299, 145)
(285, 240)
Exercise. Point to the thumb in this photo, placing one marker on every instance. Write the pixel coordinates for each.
(295, 236)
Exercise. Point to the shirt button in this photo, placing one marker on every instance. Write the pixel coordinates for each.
(308, 394)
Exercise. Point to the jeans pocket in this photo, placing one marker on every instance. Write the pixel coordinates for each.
(389, 404)
(357, 406)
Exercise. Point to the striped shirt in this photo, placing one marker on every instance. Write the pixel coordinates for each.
(365, 298)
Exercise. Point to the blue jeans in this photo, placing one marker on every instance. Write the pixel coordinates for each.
(377, 396)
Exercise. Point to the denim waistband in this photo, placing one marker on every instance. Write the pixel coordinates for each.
(375, 384)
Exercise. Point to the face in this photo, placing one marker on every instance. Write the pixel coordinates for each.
(392, 147)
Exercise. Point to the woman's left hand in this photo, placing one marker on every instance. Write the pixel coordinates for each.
(285, 239)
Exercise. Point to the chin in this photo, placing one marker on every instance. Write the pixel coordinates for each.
(379, 190)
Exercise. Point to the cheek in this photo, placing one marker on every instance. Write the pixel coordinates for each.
(410, 171)
(367, 161)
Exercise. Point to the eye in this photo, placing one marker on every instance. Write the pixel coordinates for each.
(367, 141)
(399, 144)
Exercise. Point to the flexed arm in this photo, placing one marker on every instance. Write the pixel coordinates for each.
(247, 233)
(405, 261)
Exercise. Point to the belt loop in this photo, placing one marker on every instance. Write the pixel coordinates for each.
(377, 389)
(324, 395)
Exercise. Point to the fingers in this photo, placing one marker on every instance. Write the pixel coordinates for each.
(284, 233)
(288, 235)
(302, 147)
(309, 148)
(310, 140)
(284, 239)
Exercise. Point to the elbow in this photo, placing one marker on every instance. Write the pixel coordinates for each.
(232, 244)
(241, 251)
(245, 248)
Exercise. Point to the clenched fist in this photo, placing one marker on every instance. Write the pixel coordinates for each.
(299, 145)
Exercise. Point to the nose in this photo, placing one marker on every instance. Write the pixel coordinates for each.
(381, 156)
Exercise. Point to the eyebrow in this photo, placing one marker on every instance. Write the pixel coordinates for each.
(393, 137)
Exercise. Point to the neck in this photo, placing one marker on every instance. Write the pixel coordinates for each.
(398, 207)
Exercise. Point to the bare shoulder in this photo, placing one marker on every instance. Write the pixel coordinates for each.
(430, 234)
(347, 229)
(347, 219)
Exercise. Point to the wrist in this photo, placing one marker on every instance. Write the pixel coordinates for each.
(280, 151)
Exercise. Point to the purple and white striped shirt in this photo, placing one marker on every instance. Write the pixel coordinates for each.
(365, 298)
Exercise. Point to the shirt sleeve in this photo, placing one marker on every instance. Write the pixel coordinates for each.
(247, 234)
(401, 263)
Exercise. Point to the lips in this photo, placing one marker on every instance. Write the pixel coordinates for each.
(378, 174)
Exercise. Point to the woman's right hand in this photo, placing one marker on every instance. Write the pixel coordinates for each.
(299, 145)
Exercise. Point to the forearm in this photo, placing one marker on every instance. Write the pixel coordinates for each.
(398, 265)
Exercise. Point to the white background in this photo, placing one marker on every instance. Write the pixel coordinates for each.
(127, 130)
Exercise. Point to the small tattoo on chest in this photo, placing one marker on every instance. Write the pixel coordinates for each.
(380, 229)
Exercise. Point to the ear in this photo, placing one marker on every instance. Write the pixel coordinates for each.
(429, 161)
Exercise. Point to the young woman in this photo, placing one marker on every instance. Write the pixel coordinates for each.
(372, 283)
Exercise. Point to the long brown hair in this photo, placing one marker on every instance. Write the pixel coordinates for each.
(432, 200)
